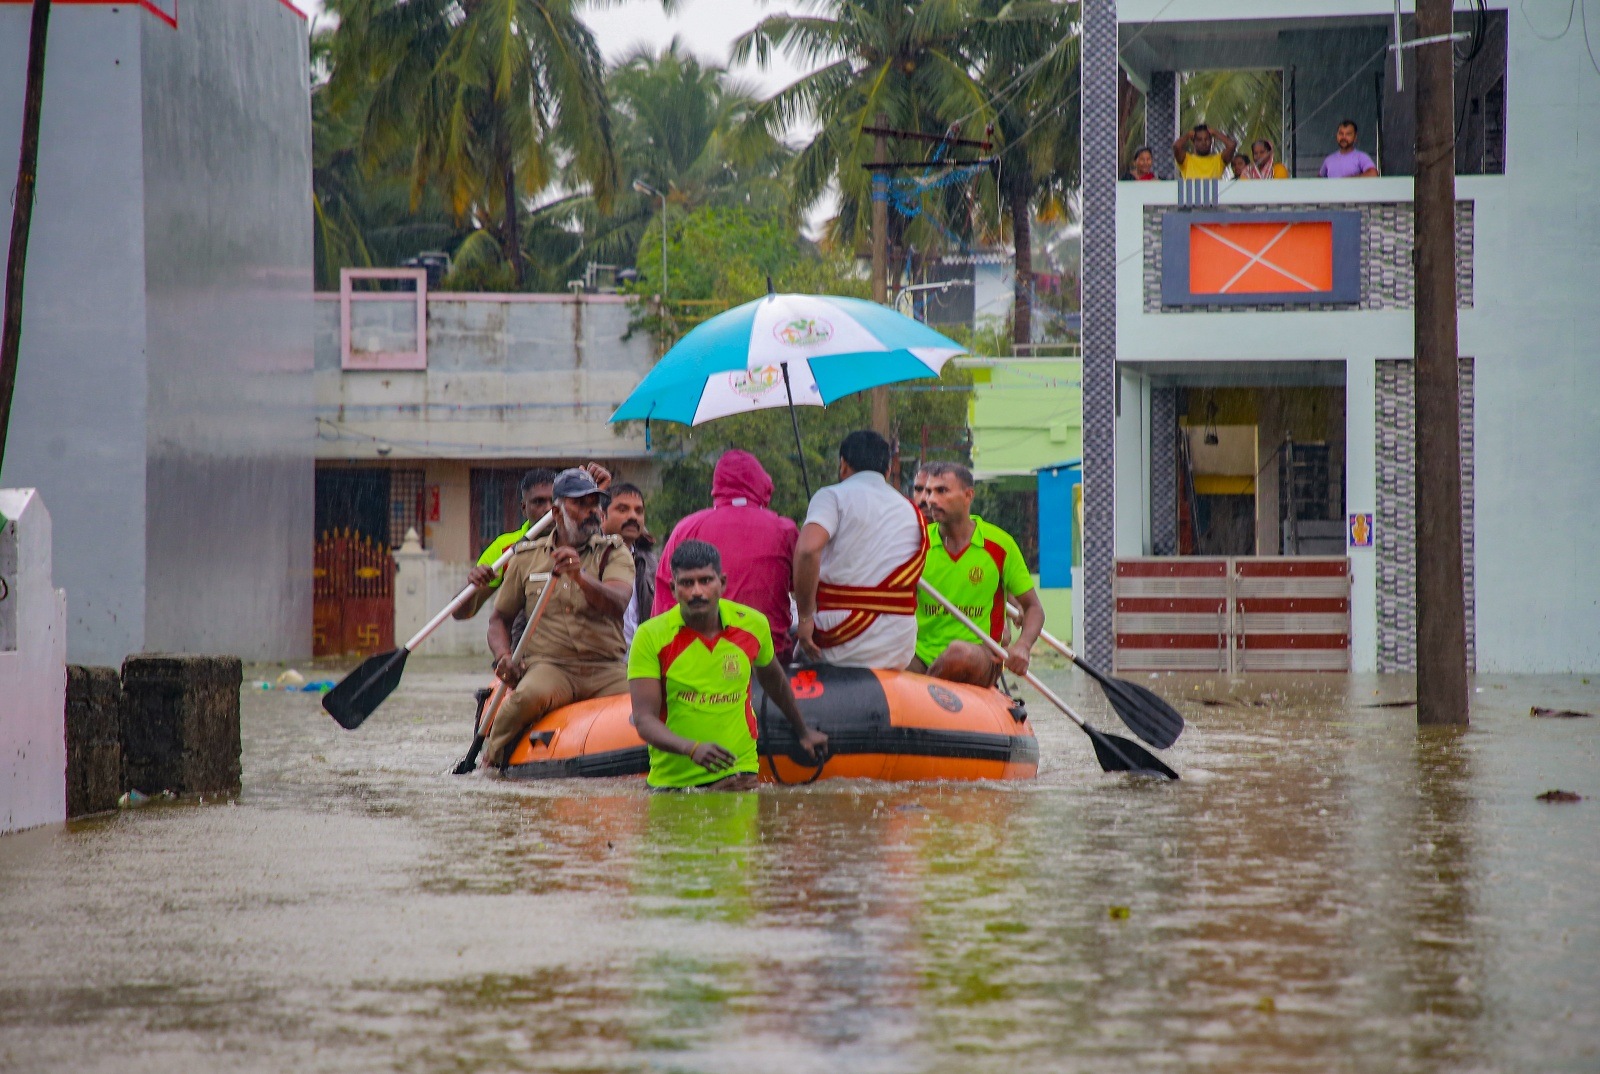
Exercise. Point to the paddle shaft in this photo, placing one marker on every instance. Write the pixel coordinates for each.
(466, 594)
(999, 651)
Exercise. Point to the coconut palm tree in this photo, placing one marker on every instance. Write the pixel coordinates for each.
(1027, 56)
(362, 216)
(903, 60)
(688, 129)
(484, 95)
(1247, 104)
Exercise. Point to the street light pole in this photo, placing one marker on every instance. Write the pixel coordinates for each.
(651, 192)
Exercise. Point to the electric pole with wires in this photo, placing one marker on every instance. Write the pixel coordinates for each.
(1442, 689)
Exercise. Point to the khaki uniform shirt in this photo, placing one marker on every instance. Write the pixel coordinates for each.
(571, 632)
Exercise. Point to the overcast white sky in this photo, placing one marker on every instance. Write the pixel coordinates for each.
(707, 27)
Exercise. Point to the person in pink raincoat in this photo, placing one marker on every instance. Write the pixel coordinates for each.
(757, 544)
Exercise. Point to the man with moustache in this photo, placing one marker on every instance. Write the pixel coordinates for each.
(919, 489)
(976, 565)
(625, 519)
(576, 651)
(689, 676)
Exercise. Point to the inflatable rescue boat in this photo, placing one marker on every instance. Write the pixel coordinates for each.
(890, 725)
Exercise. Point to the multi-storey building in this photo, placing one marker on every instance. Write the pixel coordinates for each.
(1247, 355)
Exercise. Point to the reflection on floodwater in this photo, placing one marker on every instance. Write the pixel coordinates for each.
(1327, 890)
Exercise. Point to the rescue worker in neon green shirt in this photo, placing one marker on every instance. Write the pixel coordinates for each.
(689, 676)
(535, 495)
(977, 565)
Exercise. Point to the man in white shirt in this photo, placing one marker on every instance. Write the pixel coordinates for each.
(857, 563)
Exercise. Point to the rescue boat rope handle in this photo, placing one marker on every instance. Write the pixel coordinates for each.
(466, 594)
(1115, 754)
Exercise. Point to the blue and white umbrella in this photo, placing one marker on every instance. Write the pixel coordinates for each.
(785, 350)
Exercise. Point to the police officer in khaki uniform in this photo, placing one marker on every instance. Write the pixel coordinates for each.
(576, 651)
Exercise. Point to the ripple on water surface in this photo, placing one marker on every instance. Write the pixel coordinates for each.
(1327, 890)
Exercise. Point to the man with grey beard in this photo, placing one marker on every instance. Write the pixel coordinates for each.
(575, 651)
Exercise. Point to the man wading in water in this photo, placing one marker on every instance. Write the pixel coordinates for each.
(689, 675)
(576, 650)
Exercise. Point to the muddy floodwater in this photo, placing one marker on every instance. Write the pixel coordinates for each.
(1327, 890)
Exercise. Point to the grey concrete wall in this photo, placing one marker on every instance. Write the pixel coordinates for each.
(228, 250)
(508, 377)
(78, 418)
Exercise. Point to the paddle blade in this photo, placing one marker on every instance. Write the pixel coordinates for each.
(1144, 711)
(365, 688)
(1120, 755)
(469, 763)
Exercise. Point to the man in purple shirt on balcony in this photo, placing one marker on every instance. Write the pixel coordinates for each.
(1348, 162)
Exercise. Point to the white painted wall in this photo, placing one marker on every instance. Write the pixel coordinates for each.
(1534, 332)
(33, 669)
(423, 585)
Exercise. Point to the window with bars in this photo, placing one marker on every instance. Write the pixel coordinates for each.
(495, 506)
(405, 506)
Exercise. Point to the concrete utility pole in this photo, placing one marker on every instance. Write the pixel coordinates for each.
(22, 216)
(880, 260)
(1442, 691)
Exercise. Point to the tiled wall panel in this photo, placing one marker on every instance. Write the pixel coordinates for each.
(1397, 513)
(1098, 113)
(1388, 278)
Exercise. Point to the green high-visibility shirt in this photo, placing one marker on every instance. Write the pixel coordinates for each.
(496, 547)
(977, 581)
(705, 687)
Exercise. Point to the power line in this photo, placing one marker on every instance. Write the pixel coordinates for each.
(1571, 10)
(1589, 48)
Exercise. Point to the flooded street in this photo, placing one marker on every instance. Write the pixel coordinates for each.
(1327, 890)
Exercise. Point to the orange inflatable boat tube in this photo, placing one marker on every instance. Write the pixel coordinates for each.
(889, 725)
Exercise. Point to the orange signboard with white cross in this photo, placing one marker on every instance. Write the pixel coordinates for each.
(1261, 258)
(1222, 257)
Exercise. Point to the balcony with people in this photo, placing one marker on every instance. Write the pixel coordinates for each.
(1268, 163)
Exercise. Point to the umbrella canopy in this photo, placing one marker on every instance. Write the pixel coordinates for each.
(785, 350)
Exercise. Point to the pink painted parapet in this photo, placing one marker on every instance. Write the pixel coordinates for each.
(349, 297)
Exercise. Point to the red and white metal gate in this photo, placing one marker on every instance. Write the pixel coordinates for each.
(1233, 614)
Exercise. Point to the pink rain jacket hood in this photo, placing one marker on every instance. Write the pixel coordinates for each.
(757, 544)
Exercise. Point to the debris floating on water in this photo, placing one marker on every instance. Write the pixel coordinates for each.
(1560, 713)
(291, 679)
(1118, 913)
(1560, 796)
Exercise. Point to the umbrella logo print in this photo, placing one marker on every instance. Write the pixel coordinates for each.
(803, 332)
(754, 383)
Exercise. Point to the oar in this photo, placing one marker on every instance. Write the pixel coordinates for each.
(491, 708)
(1145, 713)
(365, 688)
(1115, 754)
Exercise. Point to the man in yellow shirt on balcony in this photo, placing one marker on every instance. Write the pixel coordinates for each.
(1199, 156)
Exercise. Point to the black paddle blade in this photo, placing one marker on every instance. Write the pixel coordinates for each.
(1119, 755)
(364, 689)
(1144, 711)
(469, 763)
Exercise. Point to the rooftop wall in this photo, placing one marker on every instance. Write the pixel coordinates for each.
(510, 376)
